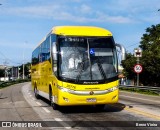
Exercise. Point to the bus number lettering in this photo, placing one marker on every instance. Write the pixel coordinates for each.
(71, 86)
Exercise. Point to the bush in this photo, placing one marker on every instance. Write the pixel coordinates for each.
(8, 83)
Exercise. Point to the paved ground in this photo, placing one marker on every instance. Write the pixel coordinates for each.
(17, 103)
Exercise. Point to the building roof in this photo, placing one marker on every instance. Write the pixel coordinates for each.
(3, 67)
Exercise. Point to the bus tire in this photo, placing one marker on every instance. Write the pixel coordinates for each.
(54, 106)
(36, 93)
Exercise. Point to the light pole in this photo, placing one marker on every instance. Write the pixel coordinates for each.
(23, 57)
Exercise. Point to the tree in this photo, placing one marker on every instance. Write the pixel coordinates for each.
(150, 45)
(26, 70)
(128, 65)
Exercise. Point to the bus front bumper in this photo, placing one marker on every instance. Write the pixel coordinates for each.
(68, 98)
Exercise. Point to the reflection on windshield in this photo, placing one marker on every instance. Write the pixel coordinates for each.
(87, 59)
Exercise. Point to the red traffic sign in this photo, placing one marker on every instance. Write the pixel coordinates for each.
(138, 68)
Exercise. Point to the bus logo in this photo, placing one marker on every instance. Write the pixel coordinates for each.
(91, 93)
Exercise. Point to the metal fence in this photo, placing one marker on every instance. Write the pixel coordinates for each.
(128, 87)
(145, 88)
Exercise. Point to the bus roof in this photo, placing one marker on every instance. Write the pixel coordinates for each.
(80, 31)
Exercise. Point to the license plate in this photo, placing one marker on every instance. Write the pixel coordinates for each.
(91, 100)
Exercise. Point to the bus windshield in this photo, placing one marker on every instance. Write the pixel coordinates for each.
(87, 59)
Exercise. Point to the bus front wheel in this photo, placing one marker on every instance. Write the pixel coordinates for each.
(54, 106)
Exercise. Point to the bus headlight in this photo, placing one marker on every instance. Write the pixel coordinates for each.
(113, 88)
(65, 89)
(62, 88)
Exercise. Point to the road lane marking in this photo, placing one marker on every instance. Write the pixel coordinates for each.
(58, 119)
(39, 103)
(68, 127)
(33, 99)
(46, 110)
(139, 98)
(142, 113)
(137, 111)
(62, 123)
(30, 94)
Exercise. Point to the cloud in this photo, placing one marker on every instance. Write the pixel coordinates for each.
(113, 19)
(17, 45)
(139, 11)
(81, 13)
(85, 9)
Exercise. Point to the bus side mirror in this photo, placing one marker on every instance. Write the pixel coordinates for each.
(54, 51)
(123, 51)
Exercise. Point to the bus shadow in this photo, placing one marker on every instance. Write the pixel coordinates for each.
(92, 109)
(44, 100)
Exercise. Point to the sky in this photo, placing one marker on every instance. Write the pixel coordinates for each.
(24, 23)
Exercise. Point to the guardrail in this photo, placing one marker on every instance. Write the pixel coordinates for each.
(145, 88)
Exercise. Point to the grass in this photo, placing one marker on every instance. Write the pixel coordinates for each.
(147, 92)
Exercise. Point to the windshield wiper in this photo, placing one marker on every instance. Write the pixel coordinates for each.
(101, 68)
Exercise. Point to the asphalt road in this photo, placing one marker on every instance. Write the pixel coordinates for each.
(17, 103)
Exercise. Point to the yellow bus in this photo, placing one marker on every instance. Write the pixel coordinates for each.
(76, 65)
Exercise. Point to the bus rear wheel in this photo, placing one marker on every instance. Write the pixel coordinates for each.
(54, 106)
(36, 92)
